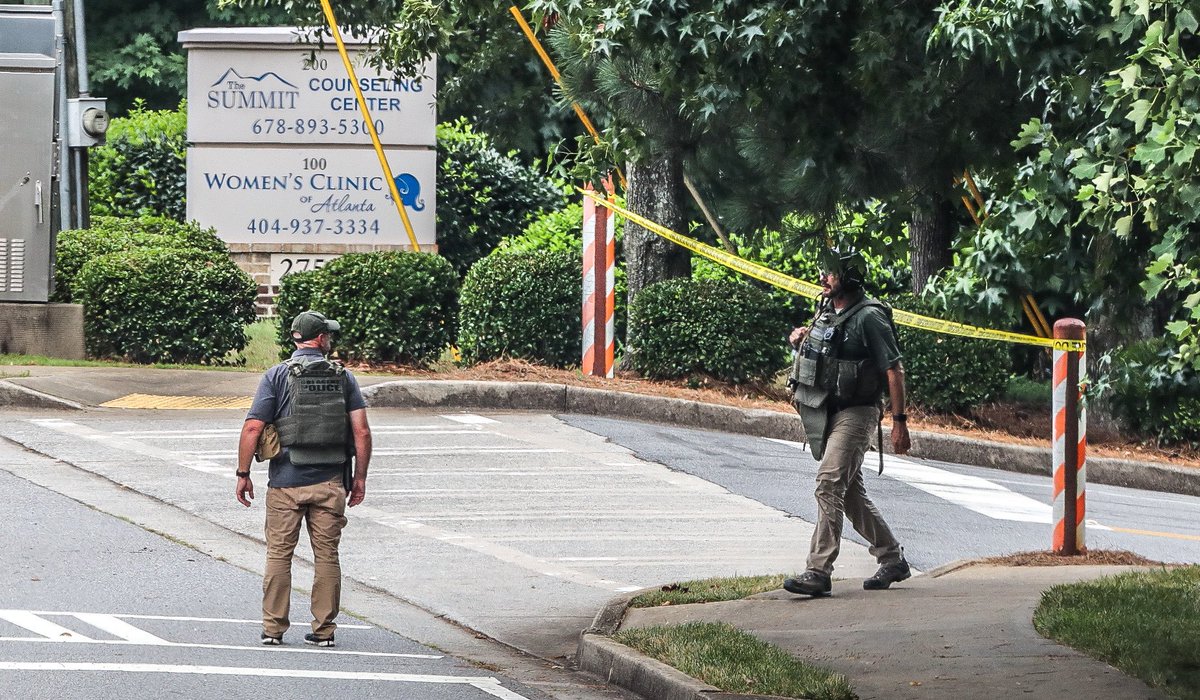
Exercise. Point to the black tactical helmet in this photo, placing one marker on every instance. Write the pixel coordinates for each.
(848, 264)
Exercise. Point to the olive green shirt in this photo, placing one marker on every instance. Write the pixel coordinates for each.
(869, 335)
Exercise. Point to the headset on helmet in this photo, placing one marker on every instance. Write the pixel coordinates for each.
(848, 264)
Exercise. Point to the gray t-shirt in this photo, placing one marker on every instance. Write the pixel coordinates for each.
(272, 401)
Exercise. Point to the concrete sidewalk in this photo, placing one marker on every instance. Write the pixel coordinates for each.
(967, 633)
(964, 634)
(83, 387)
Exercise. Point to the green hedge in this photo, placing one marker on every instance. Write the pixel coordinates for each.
(109, 234)
(142, 169)
(524, 305)
(297, 292)
(721, 328)
(165, 305)
(1151, 399)
(482, 195)
(562, 231)
(392, 306)
(946, 372)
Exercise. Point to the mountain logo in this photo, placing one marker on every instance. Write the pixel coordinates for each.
(232, 74)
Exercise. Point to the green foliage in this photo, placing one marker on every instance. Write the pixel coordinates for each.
(134, 53)
(735, 661)
(393, 306)
(562, 231)
(796, 254)
(1101, 209)
(524, 305)
(482, 195)
(1150, 398)
(110, 234)
(1143, 622)
(949, 373)
(165, 305)
(298, 292)
(142, 170)
(721, 328)
(709, 590)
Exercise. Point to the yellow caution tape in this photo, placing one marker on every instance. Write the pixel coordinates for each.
(813, 291)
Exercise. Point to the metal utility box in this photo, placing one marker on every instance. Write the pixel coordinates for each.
(27, 151)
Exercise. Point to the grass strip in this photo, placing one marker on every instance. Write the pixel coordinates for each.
(709, 590)
(734, 661)
(1146, 623)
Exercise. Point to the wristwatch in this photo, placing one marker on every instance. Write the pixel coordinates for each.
(243, 475)
(899, 417)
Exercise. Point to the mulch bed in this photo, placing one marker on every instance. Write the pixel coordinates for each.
(1096, 557)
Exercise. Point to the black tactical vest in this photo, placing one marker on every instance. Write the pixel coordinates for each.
(316, 431)
(819, 373)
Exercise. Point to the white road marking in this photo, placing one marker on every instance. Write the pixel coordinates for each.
(42, 626)
(202, 459)
(487, 684)
(127, 445)
(129, 616)
(120, 628)
(492, 549)
(971, 492)
(285, 649)
(469, 419)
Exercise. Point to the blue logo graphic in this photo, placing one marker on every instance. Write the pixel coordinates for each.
(410, 191)
(232, 73)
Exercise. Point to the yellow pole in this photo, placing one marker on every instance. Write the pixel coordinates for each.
(362, 105)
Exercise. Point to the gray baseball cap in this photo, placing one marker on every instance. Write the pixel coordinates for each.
(310, 324)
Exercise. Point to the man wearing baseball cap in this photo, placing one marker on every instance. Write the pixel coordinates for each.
(321, 418)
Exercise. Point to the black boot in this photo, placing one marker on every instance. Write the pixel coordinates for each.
(813, 583)
(887, 575)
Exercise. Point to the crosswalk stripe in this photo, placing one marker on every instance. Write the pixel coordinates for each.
(120, 628)
(42, 626)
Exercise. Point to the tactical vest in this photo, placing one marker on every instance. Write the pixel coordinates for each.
(316, 431)
(820, 374)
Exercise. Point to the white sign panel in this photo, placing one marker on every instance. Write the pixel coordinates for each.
(310, 195)
(291, 95)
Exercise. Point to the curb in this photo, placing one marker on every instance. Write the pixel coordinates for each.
(561, 398)
(629, 668)
(18, 396)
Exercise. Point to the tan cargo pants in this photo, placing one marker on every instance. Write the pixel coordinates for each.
(323, 508)
(840, 490)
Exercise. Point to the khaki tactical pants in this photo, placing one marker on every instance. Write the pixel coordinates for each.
(840, 490)
(323, 507)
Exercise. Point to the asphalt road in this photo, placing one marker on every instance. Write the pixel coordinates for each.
(95, 607)
(941, 512)
(516, 526)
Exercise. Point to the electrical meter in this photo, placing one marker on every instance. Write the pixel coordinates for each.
(87, 121)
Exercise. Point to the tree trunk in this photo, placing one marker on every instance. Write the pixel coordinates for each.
(930, 235)
(655, 190)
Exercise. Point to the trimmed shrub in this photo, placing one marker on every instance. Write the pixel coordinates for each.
(729, 330)
(109, 234)
(297, 293)
(524, 305)
(1150, 399)
(142, 169)
(946, 372)
(482, 195)
(165, 305)
(562, 231)
(394, 306)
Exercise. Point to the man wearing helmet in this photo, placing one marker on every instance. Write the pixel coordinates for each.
(845, 360)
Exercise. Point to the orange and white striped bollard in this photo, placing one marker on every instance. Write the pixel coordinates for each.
(599, 252)
(1070, 438)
